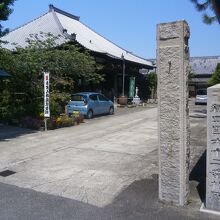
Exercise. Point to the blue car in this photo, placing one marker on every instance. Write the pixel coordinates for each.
(90, 104)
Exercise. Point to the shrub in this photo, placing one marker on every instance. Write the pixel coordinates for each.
(51, 123)
(63, 121)
(30, 122)
(77, 117)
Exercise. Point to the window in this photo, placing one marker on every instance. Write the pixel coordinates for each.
(201, 92)
(102, 98)
(93, 97)
(78, 98)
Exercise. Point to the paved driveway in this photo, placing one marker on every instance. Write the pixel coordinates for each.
(91, 163)
(102, 169)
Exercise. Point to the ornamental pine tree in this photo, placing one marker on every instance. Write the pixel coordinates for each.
(215, 79)
(208, 5)
(5, 11)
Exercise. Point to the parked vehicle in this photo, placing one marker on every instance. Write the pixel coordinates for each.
(201, 96)
(90, 104)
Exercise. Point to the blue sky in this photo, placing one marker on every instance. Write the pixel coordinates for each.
(128, 23)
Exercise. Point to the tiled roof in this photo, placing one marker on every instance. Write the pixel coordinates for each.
(56, 21)
(204, 65)
(45, 23)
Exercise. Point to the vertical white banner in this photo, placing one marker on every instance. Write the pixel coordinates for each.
(46, 95)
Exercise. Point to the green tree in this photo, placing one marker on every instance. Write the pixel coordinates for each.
(5, 11)
(66, 63)
(152, 83)
(215, 79)
(212, 5)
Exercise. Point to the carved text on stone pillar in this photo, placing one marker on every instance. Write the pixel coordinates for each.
(213, 149)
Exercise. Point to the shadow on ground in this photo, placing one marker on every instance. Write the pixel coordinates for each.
(138, 201)
(198, 174)
(9, 132)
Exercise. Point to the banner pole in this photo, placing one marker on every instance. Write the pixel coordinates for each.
(46, 99)
(45, 124)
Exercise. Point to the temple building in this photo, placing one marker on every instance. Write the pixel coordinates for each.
(202, 69)
(121, 67)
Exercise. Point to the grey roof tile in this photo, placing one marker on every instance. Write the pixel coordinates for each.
(204, 65)
(45, 23)
(55, 21)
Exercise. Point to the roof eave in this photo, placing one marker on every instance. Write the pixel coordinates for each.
(52, 8)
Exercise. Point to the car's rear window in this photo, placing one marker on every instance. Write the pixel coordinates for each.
(78, 98)
(201, 92)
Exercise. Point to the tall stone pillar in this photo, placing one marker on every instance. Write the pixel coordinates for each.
(213, 149)
(172, 69)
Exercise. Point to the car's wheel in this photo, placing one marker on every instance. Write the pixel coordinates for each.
(111, 110)
(90, 114)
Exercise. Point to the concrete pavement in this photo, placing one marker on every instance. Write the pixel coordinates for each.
(90, 163)
(103, 169)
